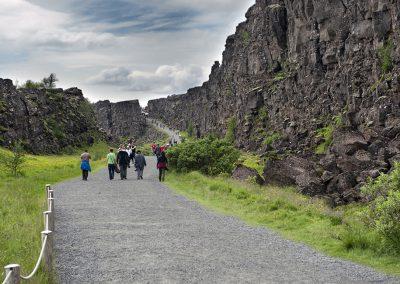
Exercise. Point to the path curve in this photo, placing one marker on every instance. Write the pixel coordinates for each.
(140, 231)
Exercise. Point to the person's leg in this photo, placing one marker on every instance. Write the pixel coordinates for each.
(110, 171)
(126, 173)
(163, 175)
(159, 174)
(83, 175)
(138, 173)
(141, 173)
(121, 171)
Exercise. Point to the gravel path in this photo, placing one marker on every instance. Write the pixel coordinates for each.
(140, 231)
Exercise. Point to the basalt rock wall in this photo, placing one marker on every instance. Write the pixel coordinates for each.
(121, 120)
(313, 86)
(46, 121)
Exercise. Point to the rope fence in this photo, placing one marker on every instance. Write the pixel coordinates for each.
(13, 271)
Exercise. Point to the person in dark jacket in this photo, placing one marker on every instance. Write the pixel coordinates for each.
(123, 162)
(162, 166)
(157, 151)
(140, 163)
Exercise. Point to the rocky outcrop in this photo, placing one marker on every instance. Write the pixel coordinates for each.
(121, 120)
(311, 83)
(46, 121)
(244, 173)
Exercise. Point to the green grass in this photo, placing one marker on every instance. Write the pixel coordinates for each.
(336, 232)
(23, 201)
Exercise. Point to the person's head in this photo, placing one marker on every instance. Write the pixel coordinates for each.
(111, 150)
(139, 152)
(158, 145)
(86, 151)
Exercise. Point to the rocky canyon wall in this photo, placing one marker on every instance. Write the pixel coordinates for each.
(313, 86)
(121, 120)
(44, 120)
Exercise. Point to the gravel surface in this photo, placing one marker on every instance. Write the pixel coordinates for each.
(140, 231)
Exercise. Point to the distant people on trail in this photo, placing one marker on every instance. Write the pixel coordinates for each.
(85, 165)
(140, 163)
(123, 161)
(162, 166)
(129, 151)
(112, 163)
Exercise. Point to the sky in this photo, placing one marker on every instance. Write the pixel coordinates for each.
(116, 49)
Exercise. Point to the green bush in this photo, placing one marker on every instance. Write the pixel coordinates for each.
(384, 209)
(209, 155)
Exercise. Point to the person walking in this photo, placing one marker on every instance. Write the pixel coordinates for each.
(162, 166)
(111, 161)
(85, 165)
(123, 161)
(140, 163)
(157, 150)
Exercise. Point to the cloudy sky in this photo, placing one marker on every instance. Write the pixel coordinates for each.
(116, 49)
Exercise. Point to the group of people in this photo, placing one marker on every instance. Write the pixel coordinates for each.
(120, 162)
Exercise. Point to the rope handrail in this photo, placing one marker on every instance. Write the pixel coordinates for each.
(7, 277)
(39, 260)
(13, 275)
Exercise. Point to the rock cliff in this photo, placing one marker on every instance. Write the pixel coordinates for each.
(121, 120)
(313, 86)
(46, 121)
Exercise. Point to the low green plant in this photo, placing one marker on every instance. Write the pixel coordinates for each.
(385, 56)
(326, 133)
(246, 38)
(210, 155)
(271, 138)
(230, 135)
(280, 76)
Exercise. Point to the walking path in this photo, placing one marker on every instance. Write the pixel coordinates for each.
(140, 231)
(173, 135)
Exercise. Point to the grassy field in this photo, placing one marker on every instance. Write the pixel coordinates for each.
(23, 201)
(336, 232)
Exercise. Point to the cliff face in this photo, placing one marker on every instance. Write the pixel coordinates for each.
(121, 120)
(45, 121)
(313, 86)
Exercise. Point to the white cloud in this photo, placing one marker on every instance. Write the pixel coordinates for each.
(23, 23)
(165, 79)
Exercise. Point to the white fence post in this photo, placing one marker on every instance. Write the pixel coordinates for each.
(12, 274)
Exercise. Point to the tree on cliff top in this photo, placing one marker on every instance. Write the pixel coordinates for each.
(50, 82)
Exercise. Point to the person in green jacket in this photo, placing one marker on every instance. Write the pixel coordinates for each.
(112, 161)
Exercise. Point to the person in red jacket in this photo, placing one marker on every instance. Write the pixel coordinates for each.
(162, 166)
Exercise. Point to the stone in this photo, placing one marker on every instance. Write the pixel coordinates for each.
(244, 173)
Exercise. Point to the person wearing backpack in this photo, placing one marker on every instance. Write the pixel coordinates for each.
(162, 166)
(111, 161)
(85, 165)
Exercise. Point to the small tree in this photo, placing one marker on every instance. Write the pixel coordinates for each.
(50, 82)
(14, 163)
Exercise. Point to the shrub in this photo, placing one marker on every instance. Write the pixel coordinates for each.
(387, 218)
(326, 134)
(209, 155)
(384, 209)
(230, 136)
(13, 164)
(29, 84)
